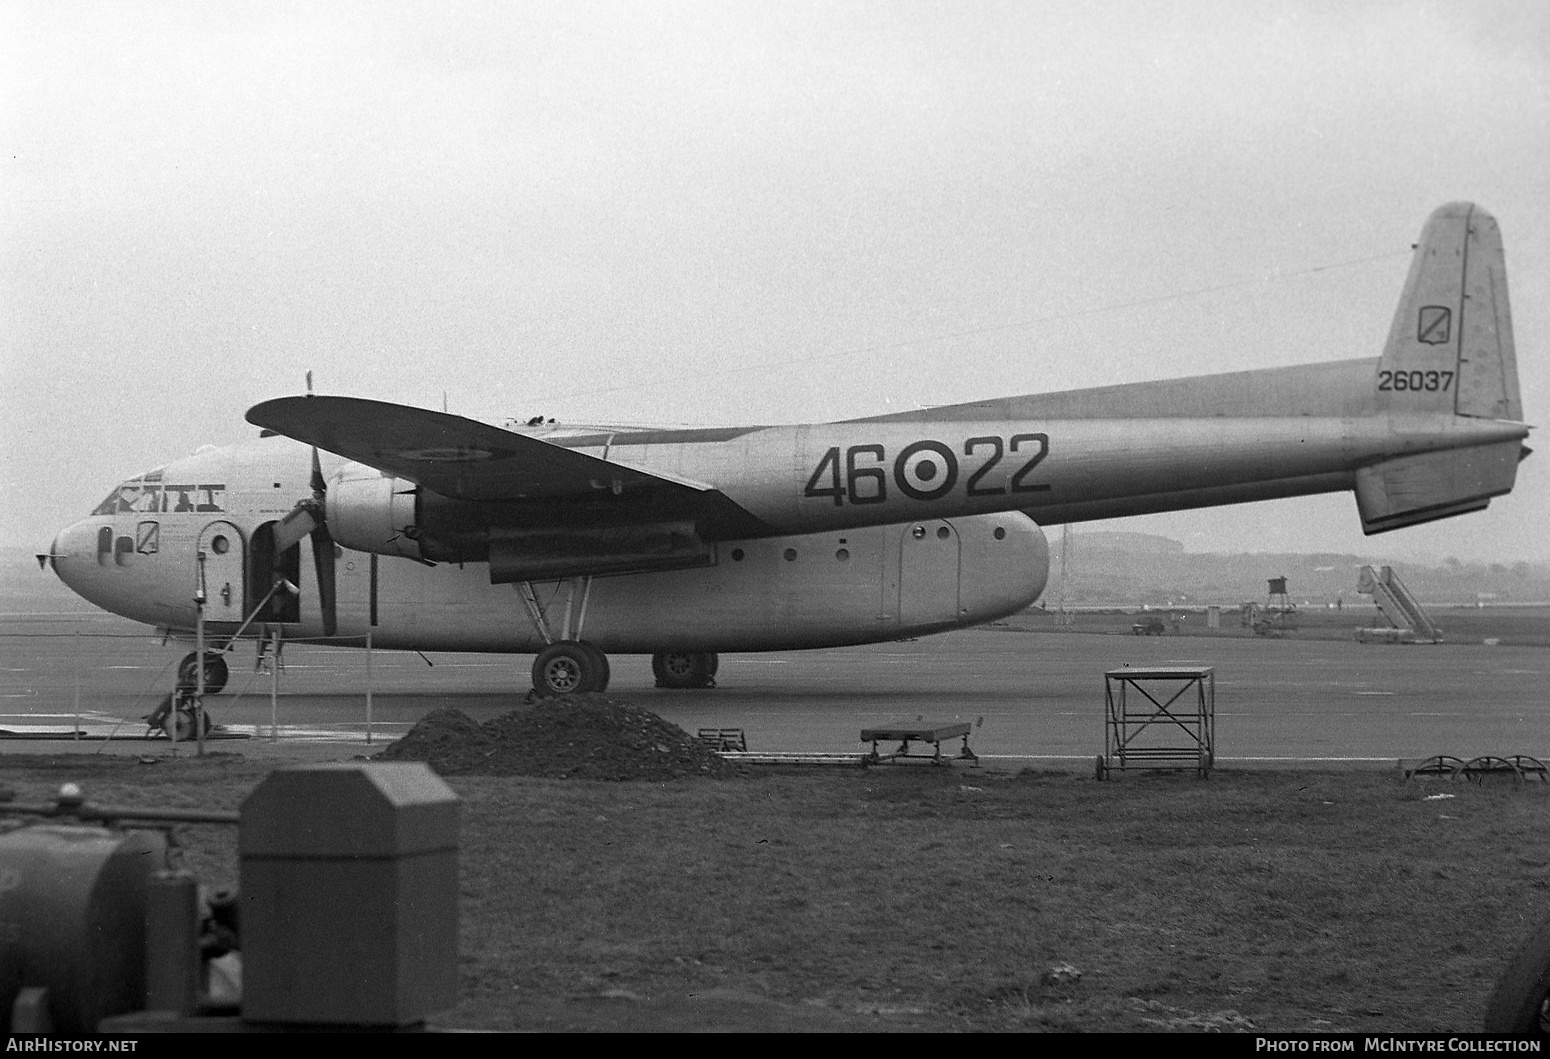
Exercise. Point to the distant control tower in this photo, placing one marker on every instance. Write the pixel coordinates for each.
(1280, 613)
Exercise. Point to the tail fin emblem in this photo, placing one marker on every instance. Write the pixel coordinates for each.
(1435, 324)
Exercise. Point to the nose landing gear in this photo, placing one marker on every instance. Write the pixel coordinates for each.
(215, 671)
(174, 716)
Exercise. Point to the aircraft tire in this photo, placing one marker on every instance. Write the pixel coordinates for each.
(184, 719)
(685, 669)
(216, 672)
(1520, 1003)
(604, 672)
(568, 668)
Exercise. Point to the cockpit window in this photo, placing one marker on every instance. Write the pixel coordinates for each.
(137, 494)
(149, 494)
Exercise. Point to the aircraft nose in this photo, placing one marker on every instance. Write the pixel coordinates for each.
(47, 558)
(73, 553)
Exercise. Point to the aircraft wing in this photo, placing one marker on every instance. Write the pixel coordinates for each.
(459, 457)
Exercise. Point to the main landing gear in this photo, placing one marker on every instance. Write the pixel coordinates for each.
(573, 667)
(685, 669)
(570, 667)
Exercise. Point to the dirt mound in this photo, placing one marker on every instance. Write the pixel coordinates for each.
(573, 736)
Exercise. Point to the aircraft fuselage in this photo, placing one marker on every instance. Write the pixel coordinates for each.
(138, 556)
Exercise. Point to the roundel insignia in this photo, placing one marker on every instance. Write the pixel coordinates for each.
(926, 470)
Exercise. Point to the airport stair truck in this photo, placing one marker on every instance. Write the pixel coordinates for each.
(1408, 621)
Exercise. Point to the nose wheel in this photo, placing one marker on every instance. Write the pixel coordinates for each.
(177, 723)
(215, 671)
(183, 721)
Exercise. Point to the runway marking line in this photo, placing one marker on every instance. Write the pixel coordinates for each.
(1219, 760)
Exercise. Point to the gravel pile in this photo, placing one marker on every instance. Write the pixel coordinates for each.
(573, 736)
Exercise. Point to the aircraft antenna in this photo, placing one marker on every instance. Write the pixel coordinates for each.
(309, 384)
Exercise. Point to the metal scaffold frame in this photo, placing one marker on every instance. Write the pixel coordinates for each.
(1135, 722)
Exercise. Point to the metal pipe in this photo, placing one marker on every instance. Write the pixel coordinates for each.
(75, 807)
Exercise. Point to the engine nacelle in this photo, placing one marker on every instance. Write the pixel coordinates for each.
(370, 513)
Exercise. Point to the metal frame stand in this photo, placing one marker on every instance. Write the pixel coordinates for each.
(933, 734)
(1136, 722)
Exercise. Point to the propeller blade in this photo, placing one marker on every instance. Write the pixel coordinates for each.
(319, 486)
(323, 559)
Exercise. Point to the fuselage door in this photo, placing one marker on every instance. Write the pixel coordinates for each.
(928, 573)
(225, 562)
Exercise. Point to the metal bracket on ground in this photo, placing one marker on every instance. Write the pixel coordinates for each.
(1519, 767)
(932, 733)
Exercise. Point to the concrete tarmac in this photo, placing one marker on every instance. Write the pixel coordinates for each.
(1032, 696)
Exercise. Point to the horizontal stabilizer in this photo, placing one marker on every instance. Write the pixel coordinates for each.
(1414, 489)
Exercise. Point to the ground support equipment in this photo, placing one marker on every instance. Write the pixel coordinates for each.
(919, 732)
(1144, 730)
(1519, 767)
(720, 739)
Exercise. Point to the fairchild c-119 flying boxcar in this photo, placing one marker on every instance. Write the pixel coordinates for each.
(437, 532)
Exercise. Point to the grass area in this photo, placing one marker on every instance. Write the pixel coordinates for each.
(963, 899)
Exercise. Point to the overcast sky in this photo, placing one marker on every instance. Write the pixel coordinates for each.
(737, 213)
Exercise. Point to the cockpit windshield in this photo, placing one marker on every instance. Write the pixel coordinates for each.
(149, 494)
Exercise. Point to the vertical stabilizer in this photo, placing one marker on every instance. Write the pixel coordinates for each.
(1450, 348)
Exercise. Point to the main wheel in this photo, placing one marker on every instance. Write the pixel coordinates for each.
(215, 671)
(1520, 1004)
(685, 669)
(603, 669)
(184, 720)
(568, 668)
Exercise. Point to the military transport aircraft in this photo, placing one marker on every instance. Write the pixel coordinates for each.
(436, 532)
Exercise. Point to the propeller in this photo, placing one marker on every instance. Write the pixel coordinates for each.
(309, 518)
(323, 551)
